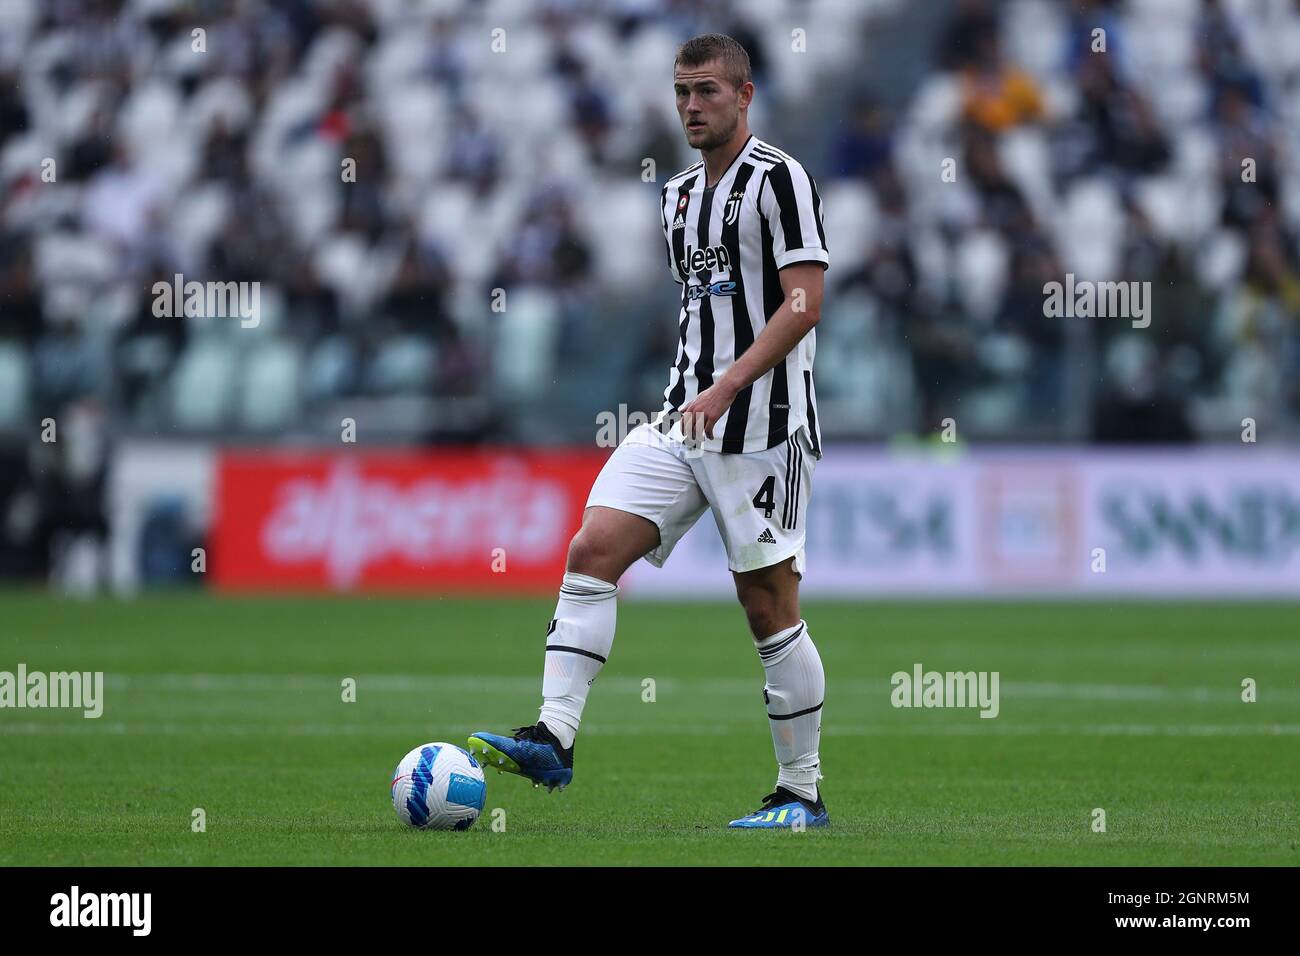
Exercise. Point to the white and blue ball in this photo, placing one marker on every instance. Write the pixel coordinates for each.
(439, 787)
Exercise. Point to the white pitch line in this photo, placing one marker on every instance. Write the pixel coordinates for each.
(1230, 692)
(977, 728)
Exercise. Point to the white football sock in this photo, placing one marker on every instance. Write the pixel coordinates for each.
(578, 642)
(795, 691)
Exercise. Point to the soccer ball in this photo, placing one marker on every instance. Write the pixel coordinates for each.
(439, 787)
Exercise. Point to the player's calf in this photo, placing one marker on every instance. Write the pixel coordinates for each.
(793, 696)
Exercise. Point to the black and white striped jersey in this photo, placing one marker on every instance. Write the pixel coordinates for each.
(726, 245)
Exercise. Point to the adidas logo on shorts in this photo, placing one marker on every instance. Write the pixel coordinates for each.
(766, 537)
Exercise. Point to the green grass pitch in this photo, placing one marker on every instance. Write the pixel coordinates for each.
(235, 707)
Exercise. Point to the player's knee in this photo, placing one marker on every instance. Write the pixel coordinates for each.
(762, 611)
(582, 553)
(592, 553)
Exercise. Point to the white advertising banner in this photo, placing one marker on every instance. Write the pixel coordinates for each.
(1182, 522)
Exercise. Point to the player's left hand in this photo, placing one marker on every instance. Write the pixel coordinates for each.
(701, 413)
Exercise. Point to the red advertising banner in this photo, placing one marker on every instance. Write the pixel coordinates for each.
(487, 521)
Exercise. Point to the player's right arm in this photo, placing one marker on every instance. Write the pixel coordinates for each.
(803, 285)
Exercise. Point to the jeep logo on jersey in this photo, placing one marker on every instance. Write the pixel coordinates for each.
(710, 260)
(732, 210)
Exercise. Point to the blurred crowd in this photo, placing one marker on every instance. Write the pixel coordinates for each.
(1142, 141)
(450, 209)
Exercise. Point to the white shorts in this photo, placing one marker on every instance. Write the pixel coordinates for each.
(759, 499)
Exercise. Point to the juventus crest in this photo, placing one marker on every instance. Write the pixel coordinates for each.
(732, 210)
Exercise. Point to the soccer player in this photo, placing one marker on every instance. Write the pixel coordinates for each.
(737, 435)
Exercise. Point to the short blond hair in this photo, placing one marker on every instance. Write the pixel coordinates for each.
(716, 46)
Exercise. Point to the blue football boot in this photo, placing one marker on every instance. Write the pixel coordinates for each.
(780, 811)
(533, 752)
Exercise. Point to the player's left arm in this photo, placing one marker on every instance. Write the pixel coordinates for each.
(803, 284)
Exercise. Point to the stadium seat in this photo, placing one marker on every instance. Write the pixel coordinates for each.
(851, 218)
(15, 387)
(331, 368)
(269, 393)
(1091, 228)
(403, 365)
(202, 384)
(526, 335)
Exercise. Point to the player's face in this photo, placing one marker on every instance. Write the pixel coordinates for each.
(708, 104)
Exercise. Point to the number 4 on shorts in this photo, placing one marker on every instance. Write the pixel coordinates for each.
(766, 497)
